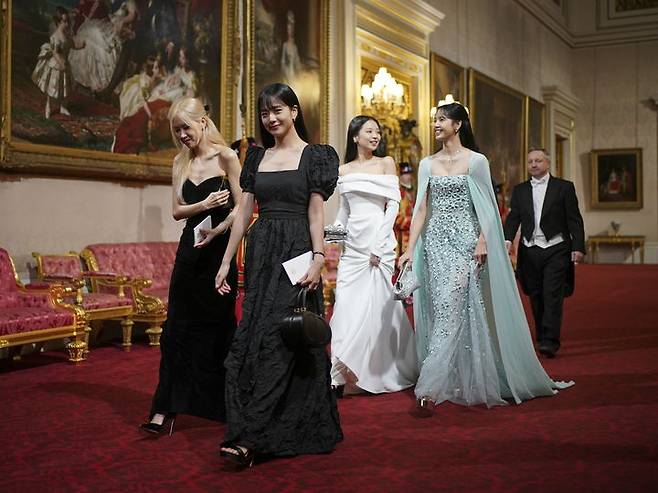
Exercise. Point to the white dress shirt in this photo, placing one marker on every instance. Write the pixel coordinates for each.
(539, 187)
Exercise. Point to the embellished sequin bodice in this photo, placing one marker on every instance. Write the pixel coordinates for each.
(460, 365)
(452, 219)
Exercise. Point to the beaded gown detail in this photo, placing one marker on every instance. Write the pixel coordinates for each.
(473, 340)
(461, 364)
(279, 400)
(200, 322)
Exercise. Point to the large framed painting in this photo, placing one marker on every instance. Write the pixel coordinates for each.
(446, 77)
(497, 115)
(535, 125)
(289, 42)
(616, 179)
(87, 84)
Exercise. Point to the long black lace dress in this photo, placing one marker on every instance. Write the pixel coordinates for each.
(279, 401)
(200, 322)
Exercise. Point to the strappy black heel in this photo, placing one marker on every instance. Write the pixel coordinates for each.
(240, 456)
(156, 429)
(426, 405)
(338, 390)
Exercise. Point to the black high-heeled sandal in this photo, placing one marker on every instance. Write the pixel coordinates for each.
(156, 429)
(240, 456)
(426, 405)
(338, 390)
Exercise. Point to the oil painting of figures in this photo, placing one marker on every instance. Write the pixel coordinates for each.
(102, 74)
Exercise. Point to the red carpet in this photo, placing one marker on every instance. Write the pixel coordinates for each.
(66, 428)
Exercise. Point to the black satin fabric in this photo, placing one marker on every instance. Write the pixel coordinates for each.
(279, 401)
(200, 323)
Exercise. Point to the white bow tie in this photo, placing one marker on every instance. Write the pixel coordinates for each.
(535, 183)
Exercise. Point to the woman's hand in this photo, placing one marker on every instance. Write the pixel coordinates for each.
(221, 285)
(312, 278)
(216, 199)
(481, 251)
(209, 234)
(374, 260)
(404, 258)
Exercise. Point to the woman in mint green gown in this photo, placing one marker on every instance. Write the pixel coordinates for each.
(473, 341)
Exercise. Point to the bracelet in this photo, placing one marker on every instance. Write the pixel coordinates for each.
(319, 253)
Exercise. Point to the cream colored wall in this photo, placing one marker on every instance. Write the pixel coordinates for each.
(504, 41)
(614, 84)
(58, 215)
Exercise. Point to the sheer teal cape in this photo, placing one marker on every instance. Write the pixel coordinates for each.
(521, 375)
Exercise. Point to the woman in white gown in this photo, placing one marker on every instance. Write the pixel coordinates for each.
(94, 65)
(372, 345)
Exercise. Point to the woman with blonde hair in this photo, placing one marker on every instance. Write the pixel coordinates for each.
(200, 322)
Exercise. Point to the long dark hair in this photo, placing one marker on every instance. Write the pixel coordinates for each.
(267, 98)
(457, 112)
(353, 129)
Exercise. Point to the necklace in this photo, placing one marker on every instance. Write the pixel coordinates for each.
(451, 157)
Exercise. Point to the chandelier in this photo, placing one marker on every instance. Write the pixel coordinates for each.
(385, 96)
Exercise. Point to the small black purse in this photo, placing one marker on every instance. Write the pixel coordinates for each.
(303, 328)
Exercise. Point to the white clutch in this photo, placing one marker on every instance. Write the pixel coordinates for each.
(334, 234)
(406, 283)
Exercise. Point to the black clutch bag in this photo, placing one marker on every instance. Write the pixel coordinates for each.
(303, 328)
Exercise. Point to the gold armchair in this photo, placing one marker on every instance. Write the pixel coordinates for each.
(66, 269)
(37, 313)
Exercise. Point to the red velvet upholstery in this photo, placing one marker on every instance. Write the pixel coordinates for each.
(149, 260)
(96, 301)
(8, 288)
(22, 311)
(27, 319)
(61, 265)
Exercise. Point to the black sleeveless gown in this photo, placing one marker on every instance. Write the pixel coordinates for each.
(279, 401)
(200, 322)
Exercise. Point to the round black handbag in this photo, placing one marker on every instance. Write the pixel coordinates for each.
(303, 328)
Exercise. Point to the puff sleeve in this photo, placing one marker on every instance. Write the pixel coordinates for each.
(250, 167)
(322, 170)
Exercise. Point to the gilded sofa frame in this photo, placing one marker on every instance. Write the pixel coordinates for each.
(147, 309)
(122, 313)
(76, 349)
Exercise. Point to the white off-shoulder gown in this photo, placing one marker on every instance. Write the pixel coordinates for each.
(373, 343)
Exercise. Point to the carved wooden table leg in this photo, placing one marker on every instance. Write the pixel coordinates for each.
(127, 329)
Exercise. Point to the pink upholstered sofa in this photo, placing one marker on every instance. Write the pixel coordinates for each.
(147, 268)
(67, 269)
(37, 313)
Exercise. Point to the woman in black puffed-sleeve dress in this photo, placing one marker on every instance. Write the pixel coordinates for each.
(278, 400)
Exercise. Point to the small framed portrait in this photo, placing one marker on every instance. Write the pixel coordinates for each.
(616, 179)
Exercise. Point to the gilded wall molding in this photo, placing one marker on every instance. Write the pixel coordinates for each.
(395, 33)
(561, 110)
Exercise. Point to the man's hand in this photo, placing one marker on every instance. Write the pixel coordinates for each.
(577, 257)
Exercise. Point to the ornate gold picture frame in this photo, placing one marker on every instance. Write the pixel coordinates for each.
(446, 77)
(498, 117)
(616, 179)
(93, 128)
(535, 124)
(289, 42)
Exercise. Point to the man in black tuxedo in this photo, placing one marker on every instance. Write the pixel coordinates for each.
(552, 241)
